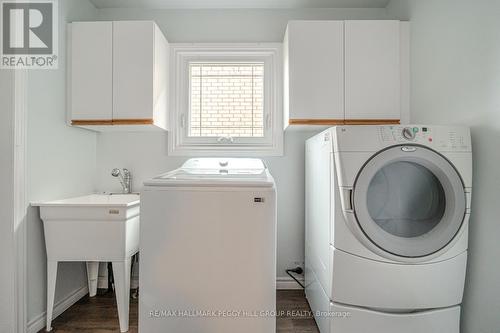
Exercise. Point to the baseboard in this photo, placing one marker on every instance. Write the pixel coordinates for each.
(286, 282)
(38, 323)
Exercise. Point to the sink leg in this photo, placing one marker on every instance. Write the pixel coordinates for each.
(121, 273)
(92, 272)
(51, 289)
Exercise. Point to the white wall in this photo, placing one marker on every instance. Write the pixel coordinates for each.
(61, 163)
(456, 80)
(146, 154)
(234, 25)
(7, 272)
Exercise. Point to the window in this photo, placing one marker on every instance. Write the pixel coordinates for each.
(227, 100)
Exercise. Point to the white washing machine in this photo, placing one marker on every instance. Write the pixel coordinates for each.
(208, 249)
(387, 211)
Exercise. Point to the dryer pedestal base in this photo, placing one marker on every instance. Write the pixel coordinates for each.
(333, 317)
(348, 319)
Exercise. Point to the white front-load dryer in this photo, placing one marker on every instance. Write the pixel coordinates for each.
(399, 205)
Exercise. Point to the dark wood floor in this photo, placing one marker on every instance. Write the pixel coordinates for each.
(99, 315)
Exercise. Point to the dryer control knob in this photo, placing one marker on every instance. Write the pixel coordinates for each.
(408, 133)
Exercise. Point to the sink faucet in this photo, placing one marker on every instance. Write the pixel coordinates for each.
(124, 177)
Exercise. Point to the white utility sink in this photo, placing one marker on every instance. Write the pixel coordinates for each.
(92, 228)
(96, 200)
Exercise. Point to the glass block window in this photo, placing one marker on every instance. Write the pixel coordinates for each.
(226, 99)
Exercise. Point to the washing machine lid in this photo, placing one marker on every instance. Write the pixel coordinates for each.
(217, 172)
(409, 201)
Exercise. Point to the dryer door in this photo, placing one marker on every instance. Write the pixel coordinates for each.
(409, 201)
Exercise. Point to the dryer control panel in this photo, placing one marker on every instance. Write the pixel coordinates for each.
(438, 137)
(373, 138)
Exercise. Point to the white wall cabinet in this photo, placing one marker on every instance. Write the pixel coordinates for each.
(314, 61)
(91, 84)
(345, 72)
(118, 75)
(372, 70)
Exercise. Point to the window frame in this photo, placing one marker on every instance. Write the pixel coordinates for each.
(181, 144)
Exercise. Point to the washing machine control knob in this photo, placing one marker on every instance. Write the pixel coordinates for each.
(408, 133)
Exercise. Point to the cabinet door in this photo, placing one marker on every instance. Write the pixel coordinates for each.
(372, 70)
(91, 81)
(160, 84)
(315, 69)
(133, 70)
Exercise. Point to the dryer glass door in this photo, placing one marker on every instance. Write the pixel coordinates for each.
(409, 201)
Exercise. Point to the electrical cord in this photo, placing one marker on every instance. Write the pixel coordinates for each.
(297, 270)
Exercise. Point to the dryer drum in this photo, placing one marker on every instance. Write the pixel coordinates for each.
(409, 204)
